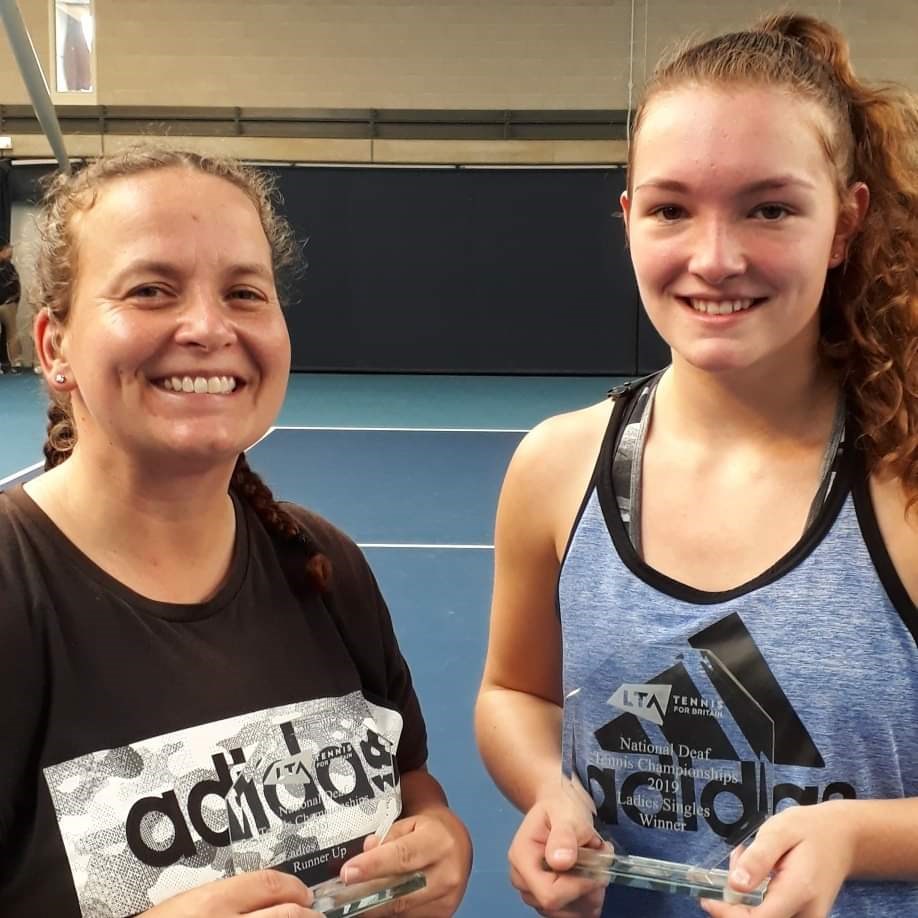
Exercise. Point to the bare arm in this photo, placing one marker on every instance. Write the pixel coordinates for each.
(518, 713)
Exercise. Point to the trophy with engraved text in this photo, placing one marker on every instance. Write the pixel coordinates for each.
(304, 798)
(677, 760)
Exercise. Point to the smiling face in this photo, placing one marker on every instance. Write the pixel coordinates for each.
(733, 223)
(175, 348)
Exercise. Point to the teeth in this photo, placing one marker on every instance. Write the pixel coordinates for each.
(201, 385)
(721, 307)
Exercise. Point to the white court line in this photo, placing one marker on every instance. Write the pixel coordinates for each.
(264, 436)
(271, 430)
(410, 429)
(520, 430)
(420, 545)
(20, 473)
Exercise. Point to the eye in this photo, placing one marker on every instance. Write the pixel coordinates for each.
(149, 292)
(246, 294)
(668, 213)
(772, 213)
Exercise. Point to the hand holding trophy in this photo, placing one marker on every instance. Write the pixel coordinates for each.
(679, 767)
(304, 800)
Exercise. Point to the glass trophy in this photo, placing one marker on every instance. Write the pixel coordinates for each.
(334, 899)
(678, 767)
(305, 796)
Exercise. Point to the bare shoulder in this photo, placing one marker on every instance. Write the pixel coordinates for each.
(561, 444)
(551, 470)
(542, 491)
(899, 531)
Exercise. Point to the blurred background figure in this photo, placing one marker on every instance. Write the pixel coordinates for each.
(11, 354)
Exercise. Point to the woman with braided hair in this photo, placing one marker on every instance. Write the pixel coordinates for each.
(756, 501)
(163, 617)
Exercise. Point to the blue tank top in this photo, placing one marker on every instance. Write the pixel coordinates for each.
(825, 641)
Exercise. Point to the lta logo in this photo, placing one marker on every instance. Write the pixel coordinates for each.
(648, 701)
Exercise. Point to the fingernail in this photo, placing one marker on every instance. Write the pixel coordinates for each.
(564, 854)
(351, 874)
(740, 877)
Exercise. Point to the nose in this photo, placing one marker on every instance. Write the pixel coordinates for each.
(717, 252)
(205, 322)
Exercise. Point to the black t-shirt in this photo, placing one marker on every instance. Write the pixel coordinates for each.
(123, 717)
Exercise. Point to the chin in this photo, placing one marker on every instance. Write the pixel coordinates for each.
(204, 438)
(202, 455)
(717, 359)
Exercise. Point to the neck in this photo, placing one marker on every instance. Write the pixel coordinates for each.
(765, 404)
(138, 511)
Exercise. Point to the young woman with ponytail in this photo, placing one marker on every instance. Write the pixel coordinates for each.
(757, 499)
(162, 615)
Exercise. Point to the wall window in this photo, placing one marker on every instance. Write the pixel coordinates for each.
(74, 46)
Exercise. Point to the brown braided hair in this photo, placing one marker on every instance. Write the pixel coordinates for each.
(869, 310)
(67, 195)
(251, 488)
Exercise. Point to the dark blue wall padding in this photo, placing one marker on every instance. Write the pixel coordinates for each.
(458, 270)
(462, 270)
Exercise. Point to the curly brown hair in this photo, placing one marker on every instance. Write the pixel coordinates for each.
(869, 310)
(67, 195)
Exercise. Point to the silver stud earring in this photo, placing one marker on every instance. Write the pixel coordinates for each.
(60, 379)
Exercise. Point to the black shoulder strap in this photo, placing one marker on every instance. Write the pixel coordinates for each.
(631, 386)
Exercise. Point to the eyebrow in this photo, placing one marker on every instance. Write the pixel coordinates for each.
(165, 269)
(769, 184)
(255, 268)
